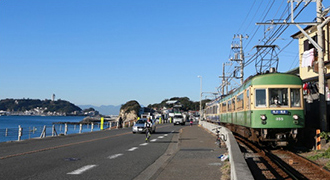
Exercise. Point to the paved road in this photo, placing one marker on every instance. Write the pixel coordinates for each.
(110, 154)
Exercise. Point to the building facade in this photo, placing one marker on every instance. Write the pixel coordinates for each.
(308, 71)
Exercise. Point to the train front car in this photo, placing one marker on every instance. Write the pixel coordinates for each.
(277, 110)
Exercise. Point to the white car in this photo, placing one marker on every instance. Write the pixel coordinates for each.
(139, 126)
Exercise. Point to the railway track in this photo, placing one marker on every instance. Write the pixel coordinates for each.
(279, 164)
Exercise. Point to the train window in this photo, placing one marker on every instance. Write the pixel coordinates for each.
(240, 102)
(260, 97)
(295, 98)
(278, 97)
(224, 107)
(229, 105)
(233, 102)
(247, 99)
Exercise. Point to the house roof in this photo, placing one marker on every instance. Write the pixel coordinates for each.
(172, 102)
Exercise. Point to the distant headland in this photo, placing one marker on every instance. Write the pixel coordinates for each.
(45, 107)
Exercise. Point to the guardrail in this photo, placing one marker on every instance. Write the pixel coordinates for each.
(22, 133)
(238, 166)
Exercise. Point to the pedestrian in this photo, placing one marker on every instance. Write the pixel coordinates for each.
(120, 122)
(191, 121)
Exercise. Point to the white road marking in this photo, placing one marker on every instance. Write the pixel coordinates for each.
(133, 148)
(115, 156)
(144, 144)
(172, 131)
(160, 137)
(165, 134)
(153, 140)
(83, 169)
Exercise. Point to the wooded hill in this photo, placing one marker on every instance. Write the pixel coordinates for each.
(186, 103)
(30, 104)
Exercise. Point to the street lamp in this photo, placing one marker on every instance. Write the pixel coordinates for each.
(200, 98)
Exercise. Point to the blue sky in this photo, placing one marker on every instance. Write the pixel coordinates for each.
(108, 52)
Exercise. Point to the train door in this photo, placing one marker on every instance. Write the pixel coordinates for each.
(247, 108)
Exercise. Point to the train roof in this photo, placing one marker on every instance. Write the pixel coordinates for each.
(276, 78)
(264, 79)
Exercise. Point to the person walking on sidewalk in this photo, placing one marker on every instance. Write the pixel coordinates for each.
(191, 121)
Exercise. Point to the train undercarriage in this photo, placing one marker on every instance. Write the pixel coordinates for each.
(274, 137)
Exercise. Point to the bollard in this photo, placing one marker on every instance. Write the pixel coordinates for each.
(20, 132)
(80, 128)
(43, 133)
(117, 124)
(318, 139)
(92, 127)
(110, 125)
(6, 134)
(30, 132)
(65, 129)
(54, 130)
(102, 122)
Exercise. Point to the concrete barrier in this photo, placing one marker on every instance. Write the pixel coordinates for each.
(238, 166)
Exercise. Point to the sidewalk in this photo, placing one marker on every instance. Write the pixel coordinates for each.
(195, 156)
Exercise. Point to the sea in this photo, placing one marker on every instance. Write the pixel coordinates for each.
(41, 126)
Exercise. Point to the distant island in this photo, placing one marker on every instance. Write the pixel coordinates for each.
(42, 107)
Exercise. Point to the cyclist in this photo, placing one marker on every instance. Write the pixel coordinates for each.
(148, 126)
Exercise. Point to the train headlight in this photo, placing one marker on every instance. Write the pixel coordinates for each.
(263, 117)
(295, 117)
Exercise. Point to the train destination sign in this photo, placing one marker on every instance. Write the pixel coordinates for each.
(279, 111)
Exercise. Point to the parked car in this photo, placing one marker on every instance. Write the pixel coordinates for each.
(138, 127)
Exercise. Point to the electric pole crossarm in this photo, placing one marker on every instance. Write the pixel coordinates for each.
(318, 47)
(289, 23)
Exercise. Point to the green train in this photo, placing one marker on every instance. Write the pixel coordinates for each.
(267, 109)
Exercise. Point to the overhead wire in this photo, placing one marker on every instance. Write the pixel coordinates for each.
(279, 31)
(272, 40)
(246, 16)
(266, 11)
(274, 36)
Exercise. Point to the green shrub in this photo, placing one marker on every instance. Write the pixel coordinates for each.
(325, 154)
(325, 135)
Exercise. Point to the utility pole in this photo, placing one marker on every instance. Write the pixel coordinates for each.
(323, 107)
(224, 79)
(238, 51)
(200, 98)
(320, 49)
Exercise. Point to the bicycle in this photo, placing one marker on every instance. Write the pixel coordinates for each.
(218, 139)
(148, 134)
